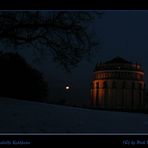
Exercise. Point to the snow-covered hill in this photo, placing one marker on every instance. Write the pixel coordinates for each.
(29, 117)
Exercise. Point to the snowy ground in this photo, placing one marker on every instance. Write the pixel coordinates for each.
(29, 117)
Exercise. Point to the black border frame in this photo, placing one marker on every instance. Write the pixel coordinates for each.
(73, 4)
(69, 140)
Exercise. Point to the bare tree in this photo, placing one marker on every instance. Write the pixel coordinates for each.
(62, 34)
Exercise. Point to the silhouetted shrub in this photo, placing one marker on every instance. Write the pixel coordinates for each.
(19, 80)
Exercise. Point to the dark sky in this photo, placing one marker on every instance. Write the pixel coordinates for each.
(122, 33)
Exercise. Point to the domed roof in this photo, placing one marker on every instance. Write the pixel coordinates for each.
(118, 63)
(117, 60)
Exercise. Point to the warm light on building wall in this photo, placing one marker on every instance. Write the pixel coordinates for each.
(118, 84)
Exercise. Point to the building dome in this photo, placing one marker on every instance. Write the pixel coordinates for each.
(117, 84)
(117, 60)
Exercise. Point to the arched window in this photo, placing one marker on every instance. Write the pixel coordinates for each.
(98, 76)
(101, 75)
(104, 84)
(114, 84)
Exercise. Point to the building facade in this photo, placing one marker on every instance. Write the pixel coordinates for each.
(118, 84)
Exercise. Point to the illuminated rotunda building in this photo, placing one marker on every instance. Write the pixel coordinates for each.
(118, 84)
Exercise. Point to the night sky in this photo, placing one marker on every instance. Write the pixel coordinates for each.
(122, 33)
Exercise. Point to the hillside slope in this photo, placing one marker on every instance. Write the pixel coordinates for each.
(29, 117)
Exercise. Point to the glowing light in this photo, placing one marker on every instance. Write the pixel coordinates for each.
(67, 87)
